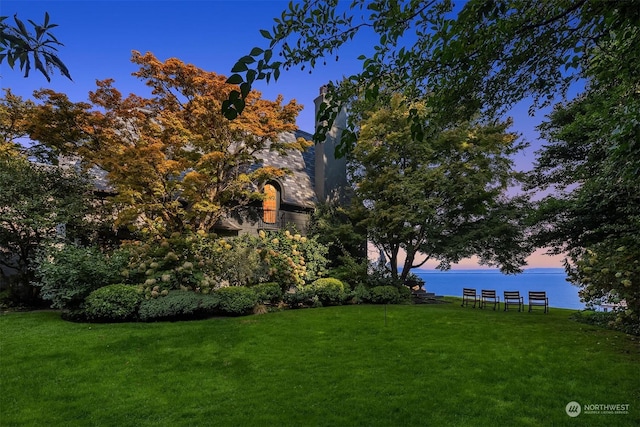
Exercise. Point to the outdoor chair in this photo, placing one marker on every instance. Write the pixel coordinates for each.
(538, 298)
(489, 297)
(513, 298)
(467, 295)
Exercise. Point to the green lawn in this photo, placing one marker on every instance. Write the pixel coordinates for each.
(439, 365)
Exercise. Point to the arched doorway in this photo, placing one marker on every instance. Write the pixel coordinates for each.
(270, 204)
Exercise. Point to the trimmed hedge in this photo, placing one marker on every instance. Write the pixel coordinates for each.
(384, 295)
(329, 291)
(268, 292)
(360, 294)
(304, 297)
(115, 303)
(179, 305)
(236, 300)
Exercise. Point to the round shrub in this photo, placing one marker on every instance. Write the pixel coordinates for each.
(113, 303)
(384, 295)
(360, 294)
(303, 297)
(405, 293)
(236, 300)
(329, 291)
(178, 305)
(268, 292)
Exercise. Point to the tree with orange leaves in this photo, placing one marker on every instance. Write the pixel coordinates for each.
(174, 161)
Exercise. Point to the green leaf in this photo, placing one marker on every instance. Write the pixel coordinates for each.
(251, 76)
(256, 51)
(239, 67)
(239, 104)
(230, 114)
(247, 59)
(267, 55)
(40, 67)
(21, 27)
(235, 79)
(245, 88)
(59, 64)
(266, 34)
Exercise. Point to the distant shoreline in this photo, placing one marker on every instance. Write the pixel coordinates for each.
(533, 270)
(553, 281)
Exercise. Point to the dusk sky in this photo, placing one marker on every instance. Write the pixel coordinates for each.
(99, 36)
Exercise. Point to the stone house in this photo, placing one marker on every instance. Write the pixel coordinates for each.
(316, 176)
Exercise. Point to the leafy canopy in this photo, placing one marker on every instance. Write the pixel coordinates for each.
(173, 162)
(458, 57)
(591, 163)
(439, 198)
(36, 201)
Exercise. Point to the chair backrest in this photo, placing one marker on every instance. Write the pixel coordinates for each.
(511, 295)
(537, 295)
(488, 294)
(469, 292)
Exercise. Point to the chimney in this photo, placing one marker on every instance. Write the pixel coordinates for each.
(330, 173)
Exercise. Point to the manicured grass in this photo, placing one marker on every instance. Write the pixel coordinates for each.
(439, 365)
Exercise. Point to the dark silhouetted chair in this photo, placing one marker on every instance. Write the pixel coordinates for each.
(538, 298)
(489, 297)
(469, 294)
(513, 298)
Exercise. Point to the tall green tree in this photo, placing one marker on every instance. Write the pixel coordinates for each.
(28, 49)
(38, 205)
(441, 198)
(591, 164)
(336, 227)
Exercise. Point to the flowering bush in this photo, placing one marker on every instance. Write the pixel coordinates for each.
(231, 262)
(610, 273)
(161, 264)
(292, 260)
(194, 262)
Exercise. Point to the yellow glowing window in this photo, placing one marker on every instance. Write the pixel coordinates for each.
(269, 204)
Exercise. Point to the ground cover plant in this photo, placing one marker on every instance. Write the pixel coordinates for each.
(349, 365)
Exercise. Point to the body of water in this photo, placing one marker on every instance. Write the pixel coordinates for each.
(561, 293)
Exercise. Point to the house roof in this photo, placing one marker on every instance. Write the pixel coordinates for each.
(299, 186)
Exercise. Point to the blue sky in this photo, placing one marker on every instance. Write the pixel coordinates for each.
(99, 36)
(212, 34)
